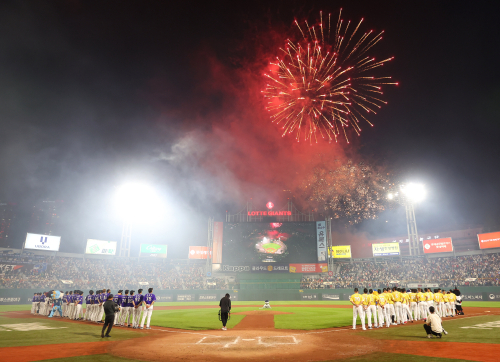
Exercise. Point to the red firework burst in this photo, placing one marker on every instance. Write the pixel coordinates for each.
(320, 85)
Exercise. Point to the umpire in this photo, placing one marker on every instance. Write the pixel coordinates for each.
(110, 308)
(225, 308)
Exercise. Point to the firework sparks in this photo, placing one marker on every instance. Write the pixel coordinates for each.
(321, 84)
(350, 192)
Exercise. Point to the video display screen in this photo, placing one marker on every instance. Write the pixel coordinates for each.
(269, 242)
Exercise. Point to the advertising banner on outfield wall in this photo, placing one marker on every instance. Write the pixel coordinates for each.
(207, 297)
(185, 297)
(321, 238)
(42, 242)
(489, 240)
(100, 247)
(198, 252)
(309, 296)
(385, 249)
(444, 245)
(309, 268)
(283, 268)
(340, 251)
(152, 250)
(331, 296)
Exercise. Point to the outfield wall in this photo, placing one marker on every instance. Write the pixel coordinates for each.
(23, 296)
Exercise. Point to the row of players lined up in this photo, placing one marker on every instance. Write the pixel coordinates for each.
(398, 306)
(71, 303)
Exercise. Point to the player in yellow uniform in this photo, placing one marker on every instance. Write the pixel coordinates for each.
(383, 309)
(452, 298)
(422, 304)
(390, 305)
(414, 304)
(405, 306)
(371, 309)
(366, 301)
(447, 306)
(438, 301)
(397, 304)
(430, 299)
(357, 309)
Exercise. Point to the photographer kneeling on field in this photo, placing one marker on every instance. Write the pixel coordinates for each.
(434, 325)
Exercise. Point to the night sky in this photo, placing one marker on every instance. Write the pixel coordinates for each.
(94, 94)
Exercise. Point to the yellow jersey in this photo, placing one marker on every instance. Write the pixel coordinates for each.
(421, 297)
(366, 299)
(374, 300)
(438, 297)
(430, 296)
(397, 296)
(446, 298)
(356, 298)
(382, 299)
(413, 297)
(390, 298)
(404, 298)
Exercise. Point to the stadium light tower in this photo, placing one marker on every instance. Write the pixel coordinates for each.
(408, 195)
(135, 203)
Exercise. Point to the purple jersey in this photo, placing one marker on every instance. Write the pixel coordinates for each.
(78, 298)
(124, 301)
(42, 298)
(130, 301)
(138, 298)
(149, 298)
(88, 299)
(117, 299)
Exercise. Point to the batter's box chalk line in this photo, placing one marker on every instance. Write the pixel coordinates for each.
(271, 341)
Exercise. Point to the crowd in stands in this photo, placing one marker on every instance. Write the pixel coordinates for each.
(85, 273)
(470, 270)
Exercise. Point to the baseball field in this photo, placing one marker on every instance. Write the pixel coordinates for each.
(290, 331)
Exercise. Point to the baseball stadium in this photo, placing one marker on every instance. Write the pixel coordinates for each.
(249, 181)
(299, 305)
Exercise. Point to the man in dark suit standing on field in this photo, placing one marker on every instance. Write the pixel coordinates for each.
(110, 308)
(225, 308)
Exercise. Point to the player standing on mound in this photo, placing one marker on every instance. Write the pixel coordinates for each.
(225, 308)
(357, 309)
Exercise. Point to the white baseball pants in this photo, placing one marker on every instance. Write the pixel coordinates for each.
(424, 309)
(149, 311)
(356, 310)
(372, 310)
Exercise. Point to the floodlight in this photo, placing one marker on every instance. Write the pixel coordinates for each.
(138, 202)
(414, 192)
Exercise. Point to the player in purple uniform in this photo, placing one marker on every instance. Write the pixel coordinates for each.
(89, 299)
(78, 306)
(102, 298)
(68, 304)
(138, 301)
(149, 300)
(125, 310)
(117, 298)
(41, 304)
(131, 308)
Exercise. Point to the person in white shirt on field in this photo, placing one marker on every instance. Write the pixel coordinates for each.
(266, 305)
(434, 325)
